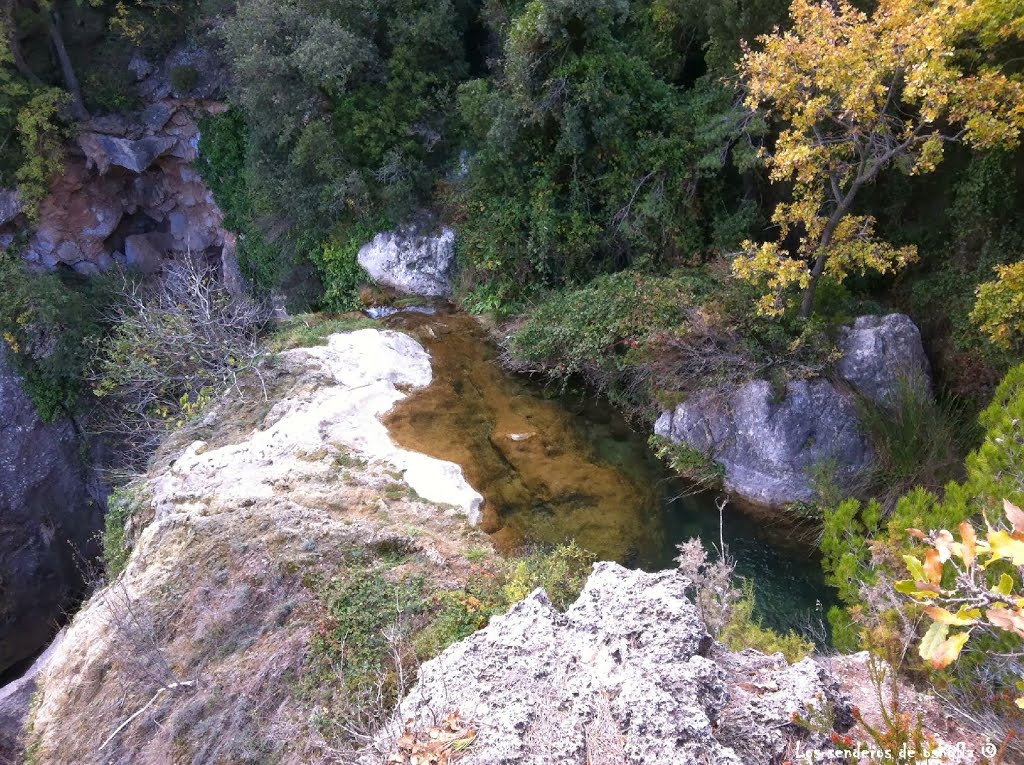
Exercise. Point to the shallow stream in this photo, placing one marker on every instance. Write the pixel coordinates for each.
(553, 469)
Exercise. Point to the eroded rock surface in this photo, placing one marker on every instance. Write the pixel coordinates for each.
(47, 521)
(628, 665)
(879, 352)
(130, 196)
(412, 260)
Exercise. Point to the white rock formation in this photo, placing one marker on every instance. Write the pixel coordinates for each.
(630, 666)
(358, 378)
(412, 262)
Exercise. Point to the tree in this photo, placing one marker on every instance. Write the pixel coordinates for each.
(857, 95)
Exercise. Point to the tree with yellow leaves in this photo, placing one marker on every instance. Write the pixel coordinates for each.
(857, 94)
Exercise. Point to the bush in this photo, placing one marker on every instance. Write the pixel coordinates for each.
(918, 441)
(50, 325)
(173, 347)
(123, 505)
(184, 79)
(561, 571)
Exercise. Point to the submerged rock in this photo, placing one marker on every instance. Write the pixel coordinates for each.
(769, 445)
(48, 524)
(629, 668)
(411, 261)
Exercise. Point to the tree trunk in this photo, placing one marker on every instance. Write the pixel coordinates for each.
(843, 207)
(78, 110)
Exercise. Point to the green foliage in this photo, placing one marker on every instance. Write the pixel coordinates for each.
(561, 571)
(586, 159)
(50, 323)
(918, 441)
(314, 329)
(689, 463)
(122, 505)
(744, 631)
(30, 114)
(362, 605)
(347, 110)
(342, 273)
(184, 79)
(863, 543)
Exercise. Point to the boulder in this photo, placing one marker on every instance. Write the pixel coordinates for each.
(412, 262)
(145, 253)
(629, 669)
(104, 151)
(881, 351)
(769, 444)
(48, 524)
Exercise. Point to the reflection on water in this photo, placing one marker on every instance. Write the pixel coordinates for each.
(569, 468)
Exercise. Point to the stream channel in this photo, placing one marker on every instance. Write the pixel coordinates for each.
(555, 468)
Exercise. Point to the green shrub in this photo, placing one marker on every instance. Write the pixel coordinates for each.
(743, 631)
(123, 504)
(561, 571)
(342, 275)
(184, 78)
(691, 464)
(918, 441)
(51, 324)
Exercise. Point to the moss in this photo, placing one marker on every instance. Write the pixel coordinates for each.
(124, 504)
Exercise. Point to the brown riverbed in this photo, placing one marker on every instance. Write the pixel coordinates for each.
(543, 479)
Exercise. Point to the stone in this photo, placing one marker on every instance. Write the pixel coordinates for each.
(103, 151)
(15, 702)
(145, 253)
(48, 523)
(631, 656)
(412, 262)
(769, 444)
(881, 351)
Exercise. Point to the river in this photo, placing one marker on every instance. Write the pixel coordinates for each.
(558, 467)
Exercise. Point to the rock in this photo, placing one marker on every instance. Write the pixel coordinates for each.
(360, 375)
(48, 524)
(103, 151)
(769, 445)
(93, 209)
(629, 664)
(15, 701)
(411, 262)
(10, 205)
(880, 351)
(145, 253)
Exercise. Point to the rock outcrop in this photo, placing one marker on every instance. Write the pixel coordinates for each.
(879, 353)
(15, 701)
(48, 523)
(359, 377)
(411, 261)
(628, 669)
(769, 442)
(130, 176)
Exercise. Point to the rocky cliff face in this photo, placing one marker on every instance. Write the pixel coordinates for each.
(770, 442)
(130, 196)
(48, 523)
